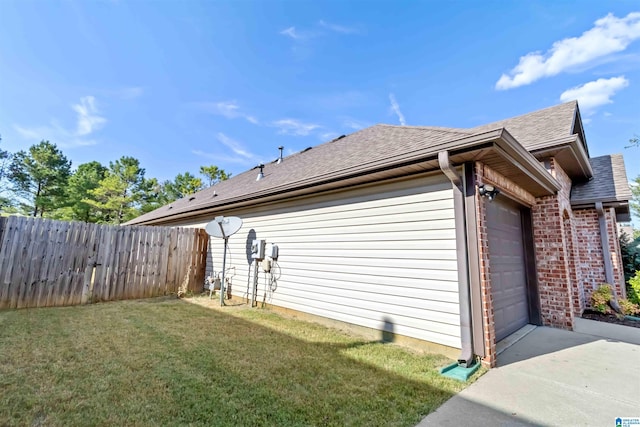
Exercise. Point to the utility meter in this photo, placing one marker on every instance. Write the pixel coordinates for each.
(257, 249)
(272, 251)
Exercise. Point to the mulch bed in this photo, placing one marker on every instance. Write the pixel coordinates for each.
(609, 318)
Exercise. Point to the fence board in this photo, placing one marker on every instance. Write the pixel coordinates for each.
(53, 263)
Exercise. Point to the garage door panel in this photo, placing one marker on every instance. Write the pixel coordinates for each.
(507, 267)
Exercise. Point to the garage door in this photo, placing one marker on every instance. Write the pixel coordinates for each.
(506, 258)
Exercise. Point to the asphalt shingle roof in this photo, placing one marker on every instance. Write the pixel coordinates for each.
(534, 130)
(609, 182)
(373, 145)
(379, 144)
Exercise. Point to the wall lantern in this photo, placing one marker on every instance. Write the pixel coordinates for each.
(488, 191)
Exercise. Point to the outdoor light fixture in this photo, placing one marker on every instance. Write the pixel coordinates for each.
(488, 191)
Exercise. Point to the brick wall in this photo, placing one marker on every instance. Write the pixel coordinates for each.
(551, 252)
(574, 273)
(589, 255)
(590, 260)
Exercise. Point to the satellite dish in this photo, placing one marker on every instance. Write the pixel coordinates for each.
(223, 227)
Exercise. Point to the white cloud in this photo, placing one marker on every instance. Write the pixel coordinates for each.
(596, 93)
(227, 109)
(291, 32)
(238, 153)
(396, 109)
(88, 118)
(221, 159)
(88, 122)
(609, 35)
(294, 127)
(337, 28)
(234, 145)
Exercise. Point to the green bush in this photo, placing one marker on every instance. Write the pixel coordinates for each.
(629, 308)
(600, 299)
(633, 288)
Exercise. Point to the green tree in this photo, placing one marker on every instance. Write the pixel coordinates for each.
(39, 176)
(84, 180)
(630, 251)
(635, 201)
(213, 174)
(181, 186)
(5, 159)
(120, 194)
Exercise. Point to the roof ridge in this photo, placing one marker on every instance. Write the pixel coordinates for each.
(438, 128)
(536, 112)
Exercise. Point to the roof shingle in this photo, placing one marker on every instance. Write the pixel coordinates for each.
(534, 129)
(609, 182)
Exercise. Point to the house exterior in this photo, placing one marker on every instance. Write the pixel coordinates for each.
(395, 229)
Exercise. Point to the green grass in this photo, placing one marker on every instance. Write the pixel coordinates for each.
(170, 362)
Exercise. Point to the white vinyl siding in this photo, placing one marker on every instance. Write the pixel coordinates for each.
(369, 256)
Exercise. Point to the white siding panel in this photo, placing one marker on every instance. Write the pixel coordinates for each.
(367, 256)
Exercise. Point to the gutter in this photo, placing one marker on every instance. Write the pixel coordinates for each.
(466, 358)
(604, 240)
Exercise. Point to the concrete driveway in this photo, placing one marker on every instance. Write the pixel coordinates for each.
(551, 377)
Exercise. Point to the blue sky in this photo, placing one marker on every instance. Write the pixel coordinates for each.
(180, 84)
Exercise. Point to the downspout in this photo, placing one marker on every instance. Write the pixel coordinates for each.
(604, 239)
(466, 358)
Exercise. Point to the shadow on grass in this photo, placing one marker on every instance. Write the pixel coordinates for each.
(172, 362)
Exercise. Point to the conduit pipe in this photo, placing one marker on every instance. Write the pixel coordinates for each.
(466, 358)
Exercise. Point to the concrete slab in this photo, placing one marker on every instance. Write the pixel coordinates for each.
(551, 377)
(607, 330)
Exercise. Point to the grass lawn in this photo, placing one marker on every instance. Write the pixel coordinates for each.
(172, 362)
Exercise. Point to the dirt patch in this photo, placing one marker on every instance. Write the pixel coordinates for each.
(609, 318)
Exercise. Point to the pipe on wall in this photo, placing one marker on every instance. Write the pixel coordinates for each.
(604, 239)
(466, 358)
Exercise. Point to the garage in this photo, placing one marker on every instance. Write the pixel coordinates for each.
(507, 267)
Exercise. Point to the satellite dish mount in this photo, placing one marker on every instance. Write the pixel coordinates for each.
(223, 228)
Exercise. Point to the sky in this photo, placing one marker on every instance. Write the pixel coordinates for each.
(181, 84)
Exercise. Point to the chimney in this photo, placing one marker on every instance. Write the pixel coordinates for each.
(280, 158)
(261, 174)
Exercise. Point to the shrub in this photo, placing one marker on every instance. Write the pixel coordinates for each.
(600, 299)
(633, 288)
(630, 251)
(629, 308)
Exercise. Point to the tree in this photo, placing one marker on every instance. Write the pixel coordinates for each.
(120, 193)
(39, 176)
(214, 174)
(5, 158)
(181, 186)
(630, 251)
(84, 180)
(635, 201)
(635, 186)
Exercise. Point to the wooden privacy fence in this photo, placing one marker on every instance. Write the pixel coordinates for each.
(54, 263)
